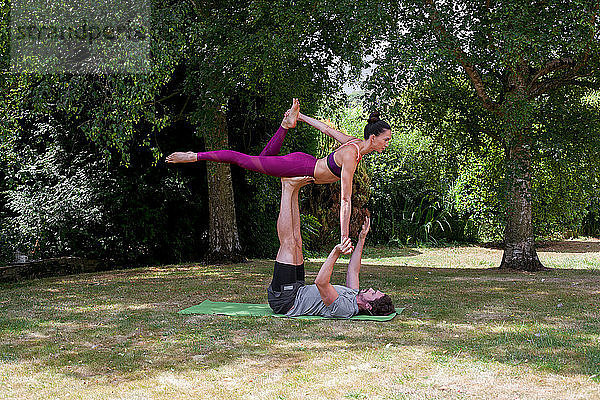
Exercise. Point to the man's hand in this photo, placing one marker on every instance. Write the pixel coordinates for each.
(345, 247)
(365, 228)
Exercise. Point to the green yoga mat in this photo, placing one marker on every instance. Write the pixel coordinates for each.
(263, 310)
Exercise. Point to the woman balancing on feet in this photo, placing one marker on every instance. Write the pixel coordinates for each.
(340, 164)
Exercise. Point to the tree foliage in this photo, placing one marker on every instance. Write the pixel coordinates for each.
(515, 55)
(242, 59)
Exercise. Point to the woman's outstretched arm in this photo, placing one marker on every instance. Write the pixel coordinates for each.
(329, 131)
(349, 164)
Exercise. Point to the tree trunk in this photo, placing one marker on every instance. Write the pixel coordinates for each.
(519, 243)
(519, 250)
(224, 244)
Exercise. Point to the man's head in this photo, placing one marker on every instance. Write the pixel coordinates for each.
(374, 302)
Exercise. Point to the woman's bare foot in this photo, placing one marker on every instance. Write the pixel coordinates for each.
(291, 116)
(181, 157)
(297, 181)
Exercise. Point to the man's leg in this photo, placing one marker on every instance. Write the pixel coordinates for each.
(289, 265)
(285, 228)
(288, 272)
(284, 271)
(298, 257)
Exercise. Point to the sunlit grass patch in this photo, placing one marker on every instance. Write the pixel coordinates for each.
(573, 254)
(467, 332)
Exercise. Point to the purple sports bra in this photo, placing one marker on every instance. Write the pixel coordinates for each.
(331, 164)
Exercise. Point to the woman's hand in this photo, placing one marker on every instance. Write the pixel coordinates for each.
(345, 246)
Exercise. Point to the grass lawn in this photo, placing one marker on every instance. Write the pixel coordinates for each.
(468, 332)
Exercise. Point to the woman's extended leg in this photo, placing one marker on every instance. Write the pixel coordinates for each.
(271, 149)
(289, 121)
(274, 146)
(290, 165)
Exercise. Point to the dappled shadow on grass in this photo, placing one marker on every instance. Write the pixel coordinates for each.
(124, 324)
(569, 246)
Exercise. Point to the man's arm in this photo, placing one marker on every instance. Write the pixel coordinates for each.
(326, 289)
(323, 127)
(352, 276)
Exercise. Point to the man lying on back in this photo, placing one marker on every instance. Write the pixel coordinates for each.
(288, 294)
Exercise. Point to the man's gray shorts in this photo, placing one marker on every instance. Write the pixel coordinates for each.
(282, 302)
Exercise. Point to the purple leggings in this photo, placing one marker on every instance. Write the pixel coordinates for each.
(268, 162)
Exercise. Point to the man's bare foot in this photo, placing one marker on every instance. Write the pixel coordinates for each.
(291, 116)
(297, 181)
(181, 157)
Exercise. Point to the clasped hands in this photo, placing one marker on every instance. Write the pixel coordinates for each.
(345, 246)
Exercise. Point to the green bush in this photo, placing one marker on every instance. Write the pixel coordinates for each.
(407, 184)
(62, 198)
(591, 222)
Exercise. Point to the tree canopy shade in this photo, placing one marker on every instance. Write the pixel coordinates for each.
(222, 73)
(259, 51)
(517, 56)
(207, 59)
(205, 53)
(262, 52)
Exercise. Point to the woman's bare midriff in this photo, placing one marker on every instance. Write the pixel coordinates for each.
(322, 174)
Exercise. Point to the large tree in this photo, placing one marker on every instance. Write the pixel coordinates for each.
(267, 50)
(516, 55)
(204, 55)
